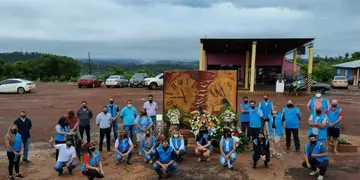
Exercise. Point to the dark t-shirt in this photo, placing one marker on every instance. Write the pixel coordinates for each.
(273, 124)
(24, 127)
(173, 154)
(204, 142)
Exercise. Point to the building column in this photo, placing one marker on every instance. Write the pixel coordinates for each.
(294, 74)
(252, 72)
(310, 67)
(202, 58)
(357, 77)
(247, 59)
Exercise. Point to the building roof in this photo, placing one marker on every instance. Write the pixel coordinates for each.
(264, 45)
(352, 64)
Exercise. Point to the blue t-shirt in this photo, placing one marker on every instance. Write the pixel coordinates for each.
(128, 115)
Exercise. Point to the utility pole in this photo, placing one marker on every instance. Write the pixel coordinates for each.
(89, 63)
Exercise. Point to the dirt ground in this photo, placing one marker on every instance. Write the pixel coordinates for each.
(51, 100)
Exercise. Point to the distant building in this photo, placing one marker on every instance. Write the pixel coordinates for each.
(350, 70)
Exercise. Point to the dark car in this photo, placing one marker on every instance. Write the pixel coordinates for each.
(137, 80)
(320, 87)
(89, 81)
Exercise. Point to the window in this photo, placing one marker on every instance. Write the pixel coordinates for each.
(161, 77)
(9, 82)
(340, 78)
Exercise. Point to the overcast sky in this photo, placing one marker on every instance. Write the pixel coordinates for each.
(163, 29)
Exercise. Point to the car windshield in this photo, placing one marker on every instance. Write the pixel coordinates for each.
(88, 77)
(343, 78)
(114, 77)
(138, 77)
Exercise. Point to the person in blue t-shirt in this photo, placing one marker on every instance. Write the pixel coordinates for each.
(13, 144)
(128, 115)
(316, 157)
(245, 117)
(256, 118)
(292, 117)
(265, 106)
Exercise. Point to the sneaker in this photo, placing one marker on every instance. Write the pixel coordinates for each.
(26, 161)
(11, 178)
(59, 173)
(266, 165)
(208, 159)
(320, 177)
(313, 173)
(150, 162)
(19, 176)
(254, 165)
(199, 160)
(129, 162)
(231, 167)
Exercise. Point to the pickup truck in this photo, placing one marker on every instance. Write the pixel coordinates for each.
(155, 82)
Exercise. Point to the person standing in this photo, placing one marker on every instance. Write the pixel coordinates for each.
(275, 129)
(24, 126)
(316, 157)
(142, 123)
(292, 117)
(151, 108)
(317, 125)
(318, 101)
(265, 106)
(84, 115)
(104, 120)
(113, 110)
(128, 115)
(256, 118)
(245, 117)
(13, 144)
(335, 115)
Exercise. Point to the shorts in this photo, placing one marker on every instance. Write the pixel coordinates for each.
(139, 136)
(274, 136)
(333, 132)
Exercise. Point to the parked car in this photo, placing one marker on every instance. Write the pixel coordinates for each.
(155, 82)
(89, 81)
(340, 82)
(116, 81)
(321, 87)
(20, 86)
(137, 80)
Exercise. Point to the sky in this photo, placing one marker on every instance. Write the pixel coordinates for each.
(171, 29)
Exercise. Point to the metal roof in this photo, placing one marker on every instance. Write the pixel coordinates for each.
(352, 64)
(264, 45)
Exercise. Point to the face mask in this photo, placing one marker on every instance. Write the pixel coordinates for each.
(274, 112)
(334, 105)
(318, 95)
(318, 111)
(313, 142)
(23, 116)
(111, 102)
(147, 134)
(84, 107)
(104, 112)
(129, 105)
(144, 114)
(252, 107)
(266, 99)
(176, 135)
(92, 149)
(290, 105)
(245, 102)
(13, 131)
(228, 135)
(68, 145)
(150, 101)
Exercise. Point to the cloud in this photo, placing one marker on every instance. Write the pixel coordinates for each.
(150, 29)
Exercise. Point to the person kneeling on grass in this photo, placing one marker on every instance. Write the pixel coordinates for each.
(227, 149)
(261, 150)
(178, 143)
(203, 142)
(92, 167)
(123, 148)
(316, 157)
(147, 147)
(165, 157)
(67, 155)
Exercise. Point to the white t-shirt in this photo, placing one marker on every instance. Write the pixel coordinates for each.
(65, 154)
(117, 143)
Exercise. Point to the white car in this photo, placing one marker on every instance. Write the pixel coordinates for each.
(155, 82)
(16, 86)
(116, 81)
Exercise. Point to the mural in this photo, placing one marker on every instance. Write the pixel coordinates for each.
(188, 91)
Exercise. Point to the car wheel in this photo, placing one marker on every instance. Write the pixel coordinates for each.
(79, 86)
(21, 90)
(153, 86)
(131, 85)
(322, 91)
(93, 85)
(108, 86)
(120, 85)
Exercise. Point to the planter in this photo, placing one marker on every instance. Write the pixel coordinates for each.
(344, 148)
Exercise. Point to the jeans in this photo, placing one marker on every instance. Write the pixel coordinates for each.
(119, 157)
(92, 174)
(316, 164)
(105, 132)
(85, 128)
(158, 170)
(245, 126)
(26, 144)
(59, 166)
(130, 129)
(232, 159)
(115, 128)
(153, 118)
(12, 163)
(148, 157)
(295, 133)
